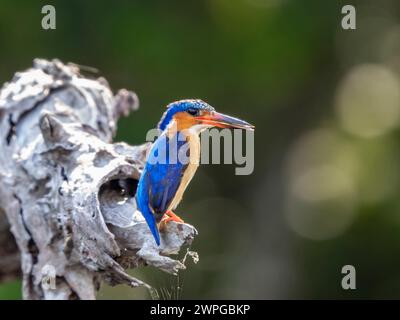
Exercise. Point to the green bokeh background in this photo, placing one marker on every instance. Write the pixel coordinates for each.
(287, 67)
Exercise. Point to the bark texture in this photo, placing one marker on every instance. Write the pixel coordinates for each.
(67, 192)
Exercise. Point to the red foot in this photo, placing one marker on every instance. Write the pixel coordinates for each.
(169, 216)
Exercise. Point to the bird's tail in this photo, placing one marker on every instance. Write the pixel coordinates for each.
(151, 222)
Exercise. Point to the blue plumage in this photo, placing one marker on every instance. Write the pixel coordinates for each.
(160, 179)
(181, 106)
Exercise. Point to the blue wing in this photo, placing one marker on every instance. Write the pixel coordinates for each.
(160, 180)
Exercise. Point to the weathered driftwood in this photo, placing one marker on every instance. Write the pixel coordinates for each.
(68, 192)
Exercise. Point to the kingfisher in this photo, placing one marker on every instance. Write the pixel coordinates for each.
(174, 157)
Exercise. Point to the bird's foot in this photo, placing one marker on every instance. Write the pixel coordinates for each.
(169, 216)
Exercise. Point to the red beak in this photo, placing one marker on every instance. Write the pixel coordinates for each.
(224, 121)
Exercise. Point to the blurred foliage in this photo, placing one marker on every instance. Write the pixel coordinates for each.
(10, 290)
(326, 105)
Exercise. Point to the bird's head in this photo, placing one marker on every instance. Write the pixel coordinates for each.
(198, 115)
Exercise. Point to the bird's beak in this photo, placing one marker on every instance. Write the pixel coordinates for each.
(221, 120)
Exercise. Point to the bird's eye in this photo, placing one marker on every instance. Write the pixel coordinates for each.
(193, 112)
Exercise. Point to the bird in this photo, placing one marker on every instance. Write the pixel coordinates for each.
(166, 174)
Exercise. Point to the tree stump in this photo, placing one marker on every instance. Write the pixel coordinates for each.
(67, 192)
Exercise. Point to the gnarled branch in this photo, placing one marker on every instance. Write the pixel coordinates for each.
(67, 191)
